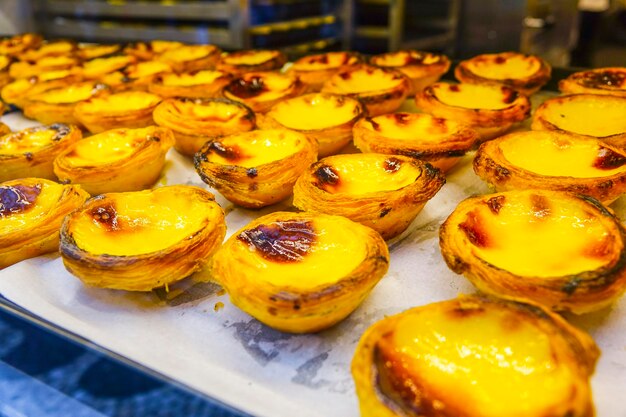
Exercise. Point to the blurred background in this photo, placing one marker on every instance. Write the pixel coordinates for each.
(565, 32)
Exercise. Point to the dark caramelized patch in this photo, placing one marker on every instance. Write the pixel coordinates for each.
(375, 125)
(248, 87)
(61, 129)
(499, 60)
(106, 216)
(345, 75)
(540, 206)
(608, 159)
(600, 79)
(600, 249)
(510, 95)
(287, 241)
(402, 119)
(327, 175)
(475, 231)
(318, 59)
(496, 203)
(17, 198)
(392, 165)
(455, 88)
(230, 153)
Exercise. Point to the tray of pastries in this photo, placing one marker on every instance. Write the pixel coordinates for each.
(338, 236)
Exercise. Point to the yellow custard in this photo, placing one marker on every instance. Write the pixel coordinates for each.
(18, 143)
(34, 201)
(327, 252)
(103, 148)
(324, 61)
(366, 79)
(507, 368)
(120, 103)
(255, 148)
(188, 53)
(209, 111)
(549, 240)
(360, 174)
(139, 223)
(71, 94)
(557, 156)
(4, 62)
(402, 58)
(145, 69)
(101, 66)
(405, 126)
(587, 115)
(249, 57)
(186, 80)
(514, 66)
(473, 96)
(315, 111)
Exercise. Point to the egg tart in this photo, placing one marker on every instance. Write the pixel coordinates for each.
(196, 120)
(24, 69)
(198, 84)
(261, 90)
(251, 61)
(31, 152)
(475, 356)
(561, 250)
(139, 241)
(146, 51)
(57, 105)
(49, 49)
(18, 91)
(441, 142)
(553, 161)
(522, 72)
(31, 213)
(422, 68)
(92, 51)
(130, 109)
(314, 70)
(326, 118)
(257, 168)
(17, 44)
(135, 77)
(99, 67)
(116, 160)
(597, 116)
(190, 58)
(611, 81)
(300, 272)
(490, 110)
(381, 90)
(380, 191)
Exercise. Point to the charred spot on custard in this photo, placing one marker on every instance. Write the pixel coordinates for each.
(17, 198)
(600, 249)
(500, 60)
(474, 230)
(540, 206)
(595, 79)
(608, 159)
(496, 203)
(230, 153)
(509, 95)
(326, 175)
(454, 88)
(392, 165)
(248, 88)
(288, 241)
(402, 119)
(61, 129)
(106, 216)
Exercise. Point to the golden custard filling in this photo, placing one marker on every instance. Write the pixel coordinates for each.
(102, 66)
(360, 174)
(32, 140)
(214, 111)
(508, 362)
(255, 148)
(408, 126)
(474, 96)
(70, 94)
(128, 224)
(532, 236)
(249, 57)
(105, 148)
(364, 80)
(261, 86)
(315, 111)
(121, 103)
(23, 204)
(588, 115)
(499, 67)
(403, 58)
(145, 69)
(187, 80)
(301, 254)
(324, 61)
(188, 53)
(562, 157)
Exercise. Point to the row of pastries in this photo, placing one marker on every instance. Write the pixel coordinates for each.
(257, 135)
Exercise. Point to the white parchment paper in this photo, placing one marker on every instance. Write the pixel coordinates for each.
(230, 356)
